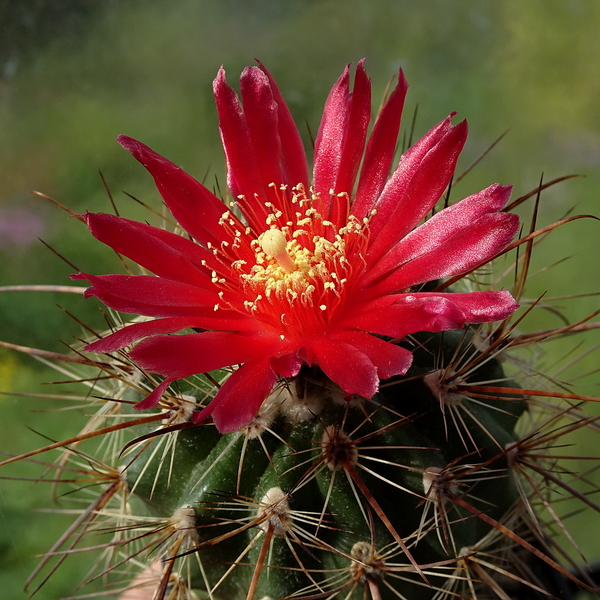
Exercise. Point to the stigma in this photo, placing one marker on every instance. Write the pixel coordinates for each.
(274, 244)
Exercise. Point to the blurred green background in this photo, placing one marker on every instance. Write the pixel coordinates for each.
(76, 73)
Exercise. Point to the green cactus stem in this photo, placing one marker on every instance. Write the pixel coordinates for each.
(323, 492)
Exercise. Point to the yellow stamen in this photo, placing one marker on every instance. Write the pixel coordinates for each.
(273, 243)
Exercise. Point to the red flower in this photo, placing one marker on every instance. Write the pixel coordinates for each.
(309, 273)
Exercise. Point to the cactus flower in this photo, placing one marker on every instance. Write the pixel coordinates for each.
(323, 271)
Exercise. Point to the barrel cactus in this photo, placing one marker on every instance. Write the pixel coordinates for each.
(320, 397)
(321, 494)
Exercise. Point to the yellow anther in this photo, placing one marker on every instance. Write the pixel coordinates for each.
(273, 243)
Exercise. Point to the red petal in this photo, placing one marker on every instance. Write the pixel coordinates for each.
(287, 365)
(147, 295)
(350, 368)
(417, 184)
(447, 222)
(409, 314)
(434, 312)
(130, 334)
(243, 173)
(195, 208)
(154, 397)
(466, 249)
(356, 132)
(261, 114)
(162, 252)
(483, 307)
(240, 397)
(443, 226)
(294, 163)
(387, 357)
(328, 145)
(380, 151)
(179, 356)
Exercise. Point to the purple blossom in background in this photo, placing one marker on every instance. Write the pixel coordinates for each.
(19, 227)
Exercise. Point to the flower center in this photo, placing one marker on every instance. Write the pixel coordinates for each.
(296, 273)
(288, 271)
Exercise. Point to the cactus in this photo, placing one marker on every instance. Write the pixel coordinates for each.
(354, 417)
(343, 494)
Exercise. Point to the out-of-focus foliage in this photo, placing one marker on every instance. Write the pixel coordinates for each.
(76, 73)
(26, 27)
